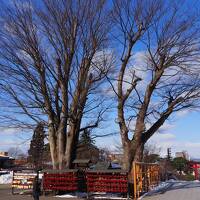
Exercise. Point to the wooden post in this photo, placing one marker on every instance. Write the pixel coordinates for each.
(134, 181)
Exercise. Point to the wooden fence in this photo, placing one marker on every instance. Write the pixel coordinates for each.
(145, 176)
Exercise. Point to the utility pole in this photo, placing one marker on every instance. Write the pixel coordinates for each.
(169, 154)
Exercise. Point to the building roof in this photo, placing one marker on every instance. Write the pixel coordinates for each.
(55, 171)
(81, 161)
(102, 166)
(6, 158)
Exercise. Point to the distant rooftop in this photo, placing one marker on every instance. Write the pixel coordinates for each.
(3, 153)
(83, 161)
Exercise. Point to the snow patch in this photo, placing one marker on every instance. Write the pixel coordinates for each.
(109, 197)
(161, 186)
(66, 196)
(6, 178)
(73, 195)
(100, 195)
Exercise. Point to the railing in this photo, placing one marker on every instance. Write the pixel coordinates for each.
(145, 177)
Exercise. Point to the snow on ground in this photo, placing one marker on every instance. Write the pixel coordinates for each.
(161, 186)
(102, 195)
(108, 197)
(66, 196)
(171, 184)
(6, 178)
(73, 195)
(96, 195)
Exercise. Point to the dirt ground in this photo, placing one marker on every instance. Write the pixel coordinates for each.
(6, 194)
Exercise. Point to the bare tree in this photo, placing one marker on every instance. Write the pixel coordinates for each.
(167, 81)
(151, 153)
(54, 59)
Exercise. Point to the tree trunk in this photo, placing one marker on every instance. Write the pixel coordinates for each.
(53, 149)
(139, 152)
(126, 159)
(61, 142)
(61, 149)
(70, 145)
(68, 157)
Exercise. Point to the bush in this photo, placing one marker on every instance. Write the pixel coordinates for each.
(187, 177)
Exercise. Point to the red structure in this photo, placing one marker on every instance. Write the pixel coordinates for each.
(107, 181)
(60, 180)
(196, 167)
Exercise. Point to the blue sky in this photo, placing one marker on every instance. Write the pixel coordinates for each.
(180, 133)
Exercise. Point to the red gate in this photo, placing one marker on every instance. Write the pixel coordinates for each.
(196, 168)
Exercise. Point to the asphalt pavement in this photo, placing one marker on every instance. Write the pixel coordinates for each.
(188, 190)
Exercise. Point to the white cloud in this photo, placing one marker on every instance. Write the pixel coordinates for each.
(8, 143)
(183, 113)
(9, 131)
(13, 137)
(163, 137)
(166, 127)
(169, 140)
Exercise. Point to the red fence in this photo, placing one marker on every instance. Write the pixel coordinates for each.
(107, 181)
(65, 180)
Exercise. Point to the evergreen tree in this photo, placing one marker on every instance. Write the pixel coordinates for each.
(180, 164)
(36, 150)
(86, 148)
(86, 138)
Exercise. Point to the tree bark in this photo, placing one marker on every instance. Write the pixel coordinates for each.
(139, 152)
(53, 149)
(70, 145)
(127, 157)
(61, 148)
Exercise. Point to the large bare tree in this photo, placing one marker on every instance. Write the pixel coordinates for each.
(167, 78)
(54, 59)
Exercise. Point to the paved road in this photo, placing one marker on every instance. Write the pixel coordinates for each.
(177, 191)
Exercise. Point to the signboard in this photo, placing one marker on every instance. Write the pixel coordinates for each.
(23, 181)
